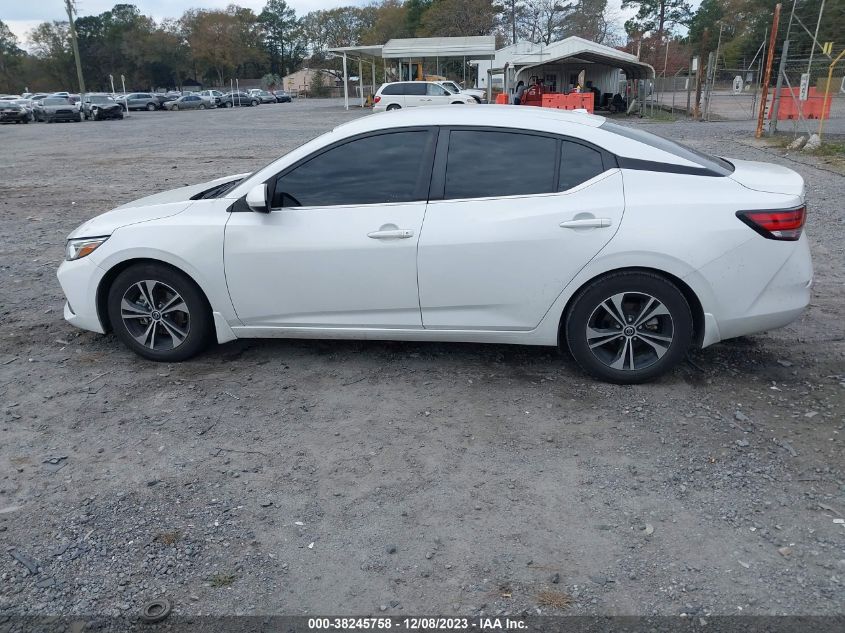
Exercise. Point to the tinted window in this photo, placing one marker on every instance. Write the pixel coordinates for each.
(395, 89)
(482, 164)
(578, 163)
(376, 169)
(713, 163)
(415, 89)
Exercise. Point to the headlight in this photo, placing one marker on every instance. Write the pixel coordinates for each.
(81, 247)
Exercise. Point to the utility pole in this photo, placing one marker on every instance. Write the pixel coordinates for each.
(773, 124)
(696, 109)
(767, 74)
(70, 11)
(815, 39)
(513, 21)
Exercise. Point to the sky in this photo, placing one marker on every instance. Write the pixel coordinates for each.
(24, 15)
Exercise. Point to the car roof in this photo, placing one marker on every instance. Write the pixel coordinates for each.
(526, 117)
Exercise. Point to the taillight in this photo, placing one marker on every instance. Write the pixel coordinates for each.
(376, 99)
(779, 224)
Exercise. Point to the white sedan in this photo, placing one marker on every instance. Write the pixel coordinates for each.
(495, 224)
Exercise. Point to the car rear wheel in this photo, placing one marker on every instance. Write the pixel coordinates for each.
(629, 327)
(393, 106)
(202, 107)
(151, 107)
(159, 313)
(253, 103)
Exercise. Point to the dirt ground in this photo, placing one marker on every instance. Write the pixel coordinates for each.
(302, 477)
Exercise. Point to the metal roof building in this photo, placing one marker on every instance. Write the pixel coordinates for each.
(563, 64)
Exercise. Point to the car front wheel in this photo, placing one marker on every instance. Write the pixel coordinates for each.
(159, 313)
(629, 327)
(151, 107)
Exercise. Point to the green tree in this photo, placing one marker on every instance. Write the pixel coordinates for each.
(283, 36)
(656, 17)
(456, 18)
(11, 60)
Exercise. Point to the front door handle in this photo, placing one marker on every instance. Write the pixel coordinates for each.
(392, 234)
(586, 223)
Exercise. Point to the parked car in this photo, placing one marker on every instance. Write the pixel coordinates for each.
(191, 102)
(140, 101)
(10, 97)
(29, 104)
(38, 96)
(409, 94)
(282, 96)
(497, 225)
(480, 96)
(263, 96)
(13, 112)
(212, 96)
(51, 109)
(99, 107)
(233, 99)
(162, 98)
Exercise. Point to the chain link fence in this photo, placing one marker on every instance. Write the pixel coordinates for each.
(721, 93)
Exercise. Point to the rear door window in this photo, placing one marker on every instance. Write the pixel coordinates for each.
(415, 89)
(483, 164)
(578, 163)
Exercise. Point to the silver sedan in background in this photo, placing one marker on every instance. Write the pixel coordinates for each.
(188, 102)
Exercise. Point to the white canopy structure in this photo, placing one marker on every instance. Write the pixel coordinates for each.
(560, 62)
(476, 47)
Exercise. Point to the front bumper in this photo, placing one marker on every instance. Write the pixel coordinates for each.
(8, 117)
(114, 113)
(61, 116)
(79, 281)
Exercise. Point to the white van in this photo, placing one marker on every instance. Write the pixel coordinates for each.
(408, 94)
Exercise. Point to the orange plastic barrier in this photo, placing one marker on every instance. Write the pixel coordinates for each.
(560, 101)
(502, 98)
(572, 101)
(810, 109)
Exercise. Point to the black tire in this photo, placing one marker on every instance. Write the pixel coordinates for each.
(151, 107)
(202, 107)
(253, 103)
(644, 361)
(393, 106)
(227, 104)
(198, 324)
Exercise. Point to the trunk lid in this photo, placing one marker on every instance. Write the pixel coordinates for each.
(767, 177)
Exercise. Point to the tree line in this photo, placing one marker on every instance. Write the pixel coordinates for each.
(212, 46)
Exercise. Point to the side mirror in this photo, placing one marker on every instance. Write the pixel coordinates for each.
(256, 199)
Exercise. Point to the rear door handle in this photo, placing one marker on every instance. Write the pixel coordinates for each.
(401, 234)
(586, 223)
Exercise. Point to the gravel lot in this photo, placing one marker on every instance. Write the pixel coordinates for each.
(387, 478)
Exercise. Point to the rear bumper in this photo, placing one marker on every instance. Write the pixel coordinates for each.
(772, 302)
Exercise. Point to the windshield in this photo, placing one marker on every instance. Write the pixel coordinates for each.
(97, 99)
(713, 163)
(56, 101)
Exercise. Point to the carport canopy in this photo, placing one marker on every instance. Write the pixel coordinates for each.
(477, 47)
(577, 49)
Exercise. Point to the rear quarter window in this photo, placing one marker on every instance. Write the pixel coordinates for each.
(714, 164)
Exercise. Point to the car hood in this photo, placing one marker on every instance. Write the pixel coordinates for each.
(154, 207)
(767, 177)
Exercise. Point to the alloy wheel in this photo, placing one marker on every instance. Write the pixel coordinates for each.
(155, 315)
(630, 331)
